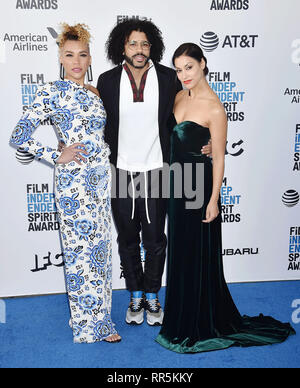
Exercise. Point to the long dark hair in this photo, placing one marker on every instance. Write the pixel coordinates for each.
(191, 50)
(121, 32)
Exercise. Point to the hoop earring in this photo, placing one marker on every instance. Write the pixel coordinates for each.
(90, 74)
(62, 72)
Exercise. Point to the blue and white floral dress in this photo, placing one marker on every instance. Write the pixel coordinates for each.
(83, 200)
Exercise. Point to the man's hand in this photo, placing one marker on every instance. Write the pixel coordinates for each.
(207, 150)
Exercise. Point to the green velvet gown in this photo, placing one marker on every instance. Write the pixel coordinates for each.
(200, 314)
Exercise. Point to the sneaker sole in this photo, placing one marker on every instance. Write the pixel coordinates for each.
(154, 324)
(134, 323)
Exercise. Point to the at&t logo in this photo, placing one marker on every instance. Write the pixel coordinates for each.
(290, 198)
(209, 41)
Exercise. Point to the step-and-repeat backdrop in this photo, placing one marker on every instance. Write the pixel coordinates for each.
(253, 52)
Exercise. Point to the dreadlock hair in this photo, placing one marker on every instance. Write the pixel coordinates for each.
(121, 32)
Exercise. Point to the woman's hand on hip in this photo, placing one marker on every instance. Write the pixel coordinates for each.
(73, 153)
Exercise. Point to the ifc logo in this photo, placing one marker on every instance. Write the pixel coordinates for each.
(209, 41)
(290, 198)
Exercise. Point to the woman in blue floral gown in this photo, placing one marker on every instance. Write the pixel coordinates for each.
(82, 185)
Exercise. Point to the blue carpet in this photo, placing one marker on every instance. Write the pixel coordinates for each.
(36, 334)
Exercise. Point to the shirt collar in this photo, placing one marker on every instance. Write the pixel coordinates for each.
(151, 64)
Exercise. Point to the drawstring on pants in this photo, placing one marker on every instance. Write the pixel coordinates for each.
(146, 197)
(133, 198)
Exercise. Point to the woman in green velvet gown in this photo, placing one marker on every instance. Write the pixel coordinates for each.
(200, 314)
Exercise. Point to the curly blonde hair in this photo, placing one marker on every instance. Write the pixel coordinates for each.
(77, 32)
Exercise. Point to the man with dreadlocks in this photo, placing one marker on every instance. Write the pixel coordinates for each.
(138, 96)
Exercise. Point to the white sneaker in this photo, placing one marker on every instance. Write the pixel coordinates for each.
(155, 314)
(135, 311)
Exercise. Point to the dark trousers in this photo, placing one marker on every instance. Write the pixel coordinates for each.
(153, 235)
